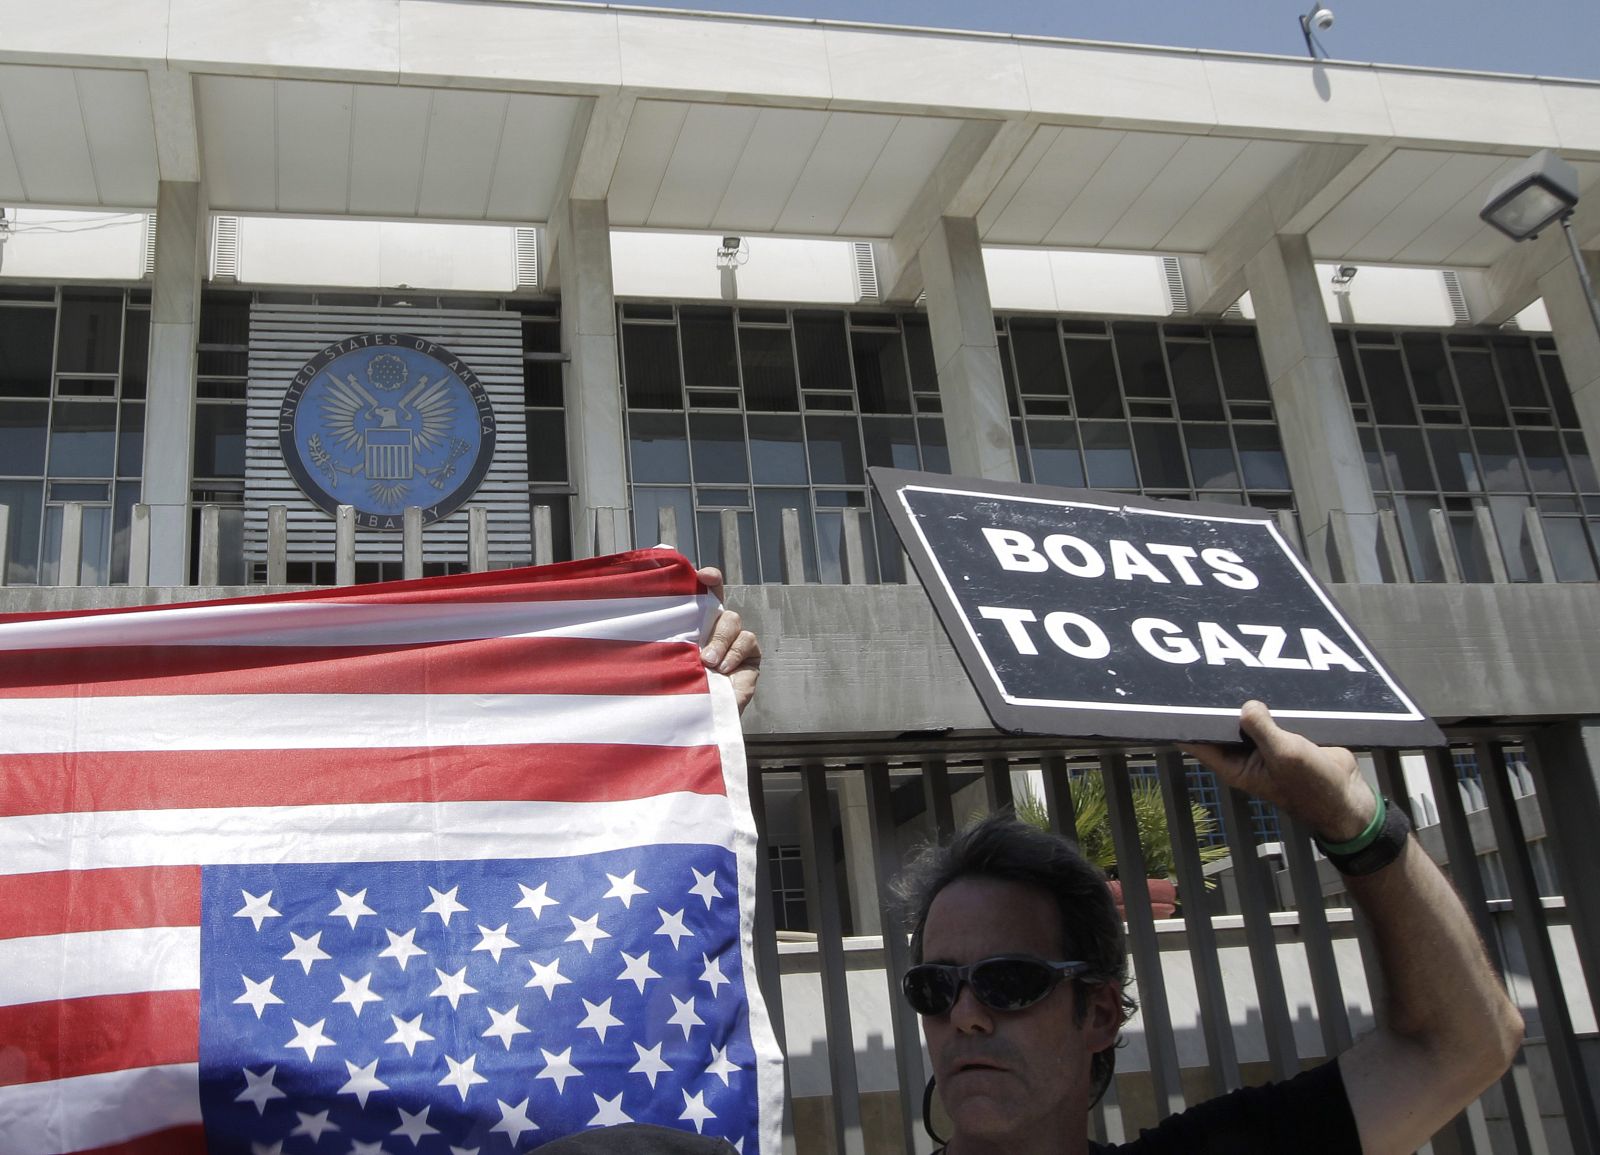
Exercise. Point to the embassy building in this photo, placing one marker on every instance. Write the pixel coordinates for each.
(566, 278)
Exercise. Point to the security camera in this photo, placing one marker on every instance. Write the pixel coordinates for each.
(1322, 19)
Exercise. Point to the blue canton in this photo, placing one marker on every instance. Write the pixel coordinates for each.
(482, 1006)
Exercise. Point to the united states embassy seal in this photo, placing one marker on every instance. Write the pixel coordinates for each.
(382, 421)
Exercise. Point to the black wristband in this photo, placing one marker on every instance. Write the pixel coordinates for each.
(1380, 852)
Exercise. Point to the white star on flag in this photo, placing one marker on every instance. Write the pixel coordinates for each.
(548, 976)
(452, 987)
(462, 1077)
(258, 1089)
(705, 885)
(263, 1149)
(361, 1148)
(258, 995)
(494, 941)
(535, 899)
(351, 906)
(463, 1151)
(357, 993)
(638, 970)
(684, 1016)
(558, 1069)
(587, 931)
(313, 1125)
(721, 1066)
(306, 950)
(599, 1019)
(672, 926)
(514, 1120)
(401, 947)
(650, 1063)
(256, 908)
(414, 1126)
(505, 1026)
(444, 904)
(309, 1039)
(408, 1033)
(624, 888)
(363, 1081)
(608, 1112)
(713, 975)
(695, 1109)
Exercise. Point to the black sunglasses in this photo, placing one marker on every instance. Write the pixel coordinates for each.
(1008, 982)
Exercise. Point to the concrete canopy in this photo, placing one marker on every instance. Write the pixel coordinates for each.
(500, 112)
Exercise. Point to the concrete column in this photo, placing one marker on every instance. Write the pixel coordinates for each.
(961, 320)
(181, 237)
(1314, 420)
(596, 441)
(1576, 341)
(860, 868)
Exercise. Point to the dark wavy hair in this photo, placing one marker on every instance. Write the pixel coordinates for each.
(1001, 848)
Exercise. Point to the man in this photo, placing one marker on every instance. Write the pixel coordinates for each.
(1021, 1051)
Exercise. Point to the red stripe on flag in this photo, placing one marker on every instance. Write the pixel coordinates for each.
(190, 1140)
(119, 898)
(201, 779)
(479, 666)
(70, 1037)
(640, 573)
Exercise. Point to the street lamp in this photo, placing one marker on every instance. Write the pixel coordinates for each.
(1541, 190)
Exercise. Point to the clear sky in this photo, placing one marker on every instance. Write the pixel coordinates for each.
(1541, 37)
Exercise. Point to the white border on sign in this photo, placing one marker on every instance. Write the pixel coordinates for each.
(1413, 715)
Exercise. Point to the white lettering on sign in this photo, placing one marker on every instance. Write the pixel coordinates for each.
(1167, 642)
(1171, 646)
(1087, 563)
(1016, 551)
(1324, 653)
(1095, 643)
(1012, 620)
(1233, 574)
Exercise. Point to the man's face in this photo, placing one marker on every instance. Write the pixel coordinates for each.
(1018, 1078)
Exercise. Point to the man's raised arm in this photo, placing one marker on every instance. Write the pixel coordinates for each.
(1450, 1029)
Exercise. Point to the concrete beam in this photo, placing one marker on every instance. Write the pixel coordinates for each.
(1511, 284)
(177, 131)
(598, 131)
(960, 184)
(1300, 196)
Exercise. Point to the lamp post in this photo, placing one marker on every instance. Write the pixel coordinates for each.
(1540, 191)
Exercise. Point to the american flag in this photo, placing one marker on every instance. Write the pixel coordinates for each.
(463, 864)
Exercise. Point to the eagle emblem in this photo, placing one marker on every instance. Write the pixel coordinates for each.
(382, 421)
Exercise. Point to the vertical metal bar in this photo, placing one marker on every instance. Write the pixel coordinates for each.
(478, 539)
(1344, 546)
(139, 546)
(769, 975)
(344, 546)
(1449, 562)
(907, 1029)
(1332, 1018)
(667, 526)
(732, 549)
(1249, 873)
(997, 785)
(822, 901)
(277, 544)
(1543, 563)
(1394, 547)
(794, 560)
(411, 543)
(69, 559)
(1515, 1085)
(936, 794)
(544, 551)
(1107, 1117)
(210, 543)
(1289, 527)
(605, 531)
(1159, 1041)
(1567, 829)
(1566, 1060)
(1491, 545)
(1215, 1022)
(1058, 797)
(5, 543)
(855, 554)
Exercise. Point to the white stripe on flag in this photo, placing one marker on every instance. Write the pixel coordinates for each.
(370, 832)
(348, 721)
(302, 624)
(89, 1111)
(99, 962)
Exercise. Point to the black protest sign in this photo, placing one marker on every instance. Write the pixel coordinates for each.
(1085, 613)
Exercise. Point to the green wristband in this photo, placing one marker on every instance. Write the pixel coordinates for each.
(1366, 838)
